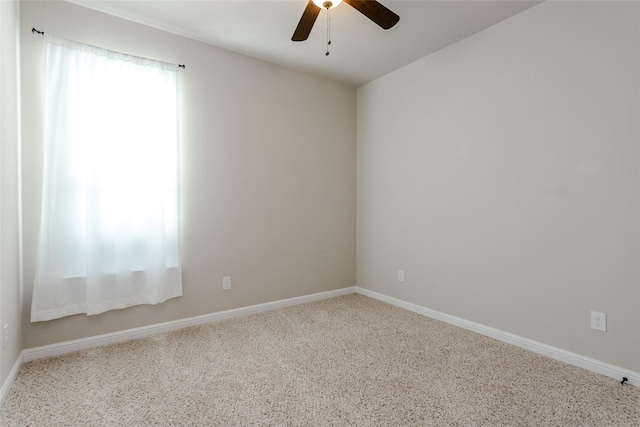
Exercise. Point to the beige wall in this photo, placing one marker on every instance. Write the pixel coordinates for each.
(502, 174)
(267, 173)
(10, 304)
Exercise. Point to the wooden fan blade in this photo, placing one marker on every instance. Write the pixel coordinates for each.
(376, 12)
(307, 20)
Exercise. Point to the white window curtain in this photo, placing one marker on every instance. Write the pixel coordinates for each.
(109, 226)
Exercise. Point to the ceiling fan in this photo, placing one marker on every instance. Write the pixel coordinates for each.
(369, 8)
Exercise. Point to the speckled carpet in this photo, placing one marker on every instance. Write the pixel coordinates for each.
(344, 361)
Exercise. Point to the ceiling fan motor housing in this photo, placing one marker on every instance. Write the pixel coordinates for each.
(373, 10)
(327, 4)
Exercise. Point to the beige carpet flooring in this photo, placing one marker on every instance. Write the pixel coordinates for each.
(346, 361)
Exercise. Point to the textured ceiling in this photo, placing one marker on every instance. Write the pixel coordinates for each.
(360, 50)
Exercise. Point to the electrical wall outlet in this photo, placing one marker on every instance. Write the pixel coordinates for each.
(599, 321)
(400, 275)
(226, 283)
(5, 336)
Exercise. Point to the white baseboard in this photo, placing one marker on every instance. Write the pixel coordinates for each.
(145, 331)
(99, 340)
(531, 345)
(6, 385)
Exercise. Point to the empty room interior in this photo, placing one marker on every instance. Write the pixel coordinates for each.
(474, 168)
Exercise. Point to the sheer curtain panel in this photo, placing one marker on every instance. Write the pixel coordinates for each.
(109, 225)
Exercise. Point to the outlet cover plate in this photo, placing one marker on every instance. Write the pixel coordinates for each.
(5, 336)
(599, 321)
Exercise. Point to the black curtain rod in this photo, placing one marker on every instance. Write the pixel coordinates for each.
(34, 31)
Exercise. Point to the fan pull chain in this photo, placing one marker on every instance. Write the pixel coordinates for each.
(328, 30)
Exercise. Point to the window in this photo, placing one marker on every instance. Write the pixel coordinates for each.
(109, 225)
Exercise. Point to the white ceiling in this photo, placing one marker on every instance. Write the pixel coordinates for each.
(360, 50)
